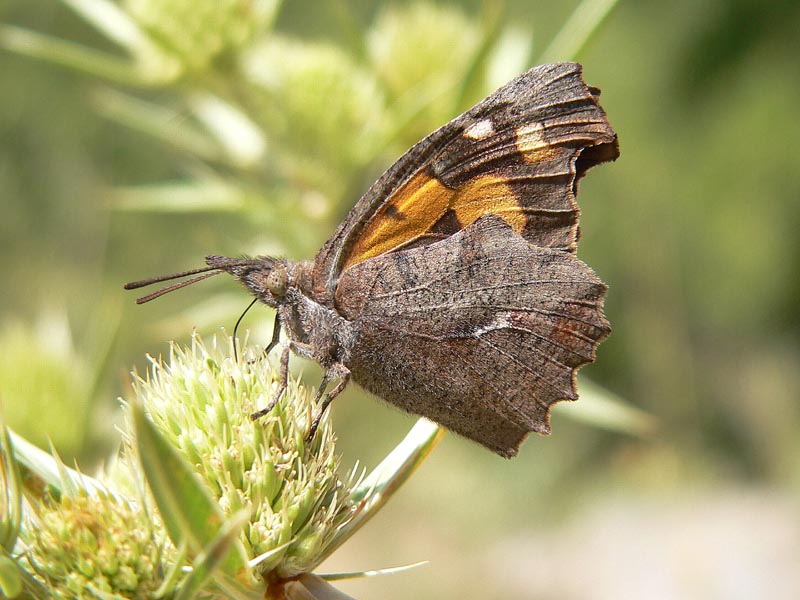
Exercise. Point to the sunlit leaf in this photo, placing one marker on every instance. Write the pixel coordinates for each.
(213, 556)
(179, 197)
(71, 55)
(602, 408)
(373, 573)
(10, 577)
(11, 489)
(242, 140)
(111, 21)
(394, 470)
(49, 468)
(165, 125)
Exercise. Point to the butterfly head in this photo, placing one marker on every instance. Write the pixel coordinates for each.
(268, 279)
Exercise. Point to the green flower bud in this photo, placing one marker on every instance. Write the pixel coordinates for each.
(325, 111)
(420, 43)
(423, 52)
(191, 36)
(90, 538)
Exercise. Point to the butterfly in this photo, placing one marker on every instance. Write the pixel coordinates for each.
(452, 289)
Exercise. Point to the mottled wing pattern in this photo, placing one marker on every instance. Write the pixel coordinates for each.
(481, 332)
(517, 155)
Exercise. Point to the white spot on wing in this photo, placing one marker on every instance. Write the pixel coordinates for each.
(480, 129)
(500, 321)
(530, 137)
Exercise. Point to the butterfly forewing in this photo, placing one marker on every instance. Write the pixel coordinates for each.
(515, 155)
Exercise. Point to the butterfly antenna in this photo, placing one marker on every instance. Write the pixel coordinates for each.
(206, 273)
(135, 285)
(236, 328)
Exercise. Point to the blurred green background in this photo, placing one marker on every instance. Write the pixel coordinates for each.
(247, 127)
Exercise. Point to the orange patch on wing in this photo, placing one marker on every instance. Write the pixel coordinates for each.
(413, 210)
(488, 194)
(410, 212)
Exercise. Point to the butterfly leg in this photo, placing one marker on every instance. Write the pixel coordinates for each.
(276, 338)
(283, 378)
(276, 334)
(336, 370)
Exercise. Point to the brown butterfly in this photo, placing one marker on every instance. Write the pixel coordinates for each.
(452, 289)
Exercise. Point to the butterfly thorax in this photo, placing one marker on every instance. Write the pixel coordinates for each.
(318, 330)
(328, 337)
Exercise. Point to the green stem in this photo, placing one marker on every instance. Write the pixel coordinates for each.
(67, 54)
(575, 33)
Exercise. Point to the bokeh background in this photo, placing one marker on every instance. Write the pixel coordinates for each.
(245, 127)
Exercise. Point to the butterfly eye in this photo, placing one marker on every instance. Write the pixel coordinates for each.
(277, 281)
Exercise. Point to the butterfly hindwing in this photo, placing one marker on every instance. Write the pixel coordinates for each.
(517, 155)
(512, 322)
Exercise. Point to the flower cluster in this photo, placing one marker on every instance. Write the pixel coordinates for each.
(202, 500)
(85, 543)
(201, 401)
